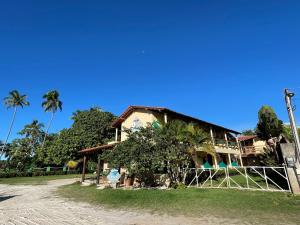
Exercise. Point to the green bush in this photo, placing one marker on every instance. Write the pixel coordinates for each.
(8, 174)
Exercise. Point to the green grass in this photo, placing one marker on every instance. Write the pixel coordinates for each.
(37, 180)
(251, 206)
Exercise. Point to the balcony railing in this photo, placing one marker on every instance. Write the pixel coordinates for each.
(223, 143)
(248, 150)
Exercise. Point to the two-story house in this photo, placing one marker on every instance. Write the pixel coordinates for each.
(224, 140)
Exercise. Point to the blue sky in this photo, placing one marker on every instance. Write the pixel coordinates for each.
(216, 60)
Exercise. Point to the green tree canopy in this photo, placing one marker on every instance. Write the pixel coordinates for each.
(168, 149)
(93, 126)
(51, 104)
(20, 154)
(268, 123)
(248, 132)
(34, 132)
(90, 128)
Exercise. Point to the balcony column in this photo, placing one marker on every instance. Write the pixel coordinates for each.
(229, 160)
(212, 136)
(116, 137)
(165, 118)
(226, 139)
(216, 161)
(240, 150)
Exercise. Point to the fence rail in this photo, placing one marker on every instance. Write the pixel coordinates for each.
(249, 177)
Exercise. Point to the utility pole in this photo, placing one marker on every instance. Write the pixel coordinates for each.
(288, 100)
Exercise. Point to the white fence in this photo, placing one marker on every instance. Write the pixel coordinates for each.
(249, 177)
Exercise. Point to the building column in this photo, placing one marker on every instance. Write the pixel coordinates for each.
(212, 136)
(216, 161)
(116, 137)
(165, 118)
(240, 151)
(226, 139)
(83, 169)
(229, 160)
(241, 161)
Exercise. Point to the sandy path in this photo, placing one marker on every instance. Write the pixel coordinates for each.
(37, 205)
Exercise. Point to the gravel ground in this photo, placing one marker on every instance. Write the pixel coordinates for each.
(38, 205)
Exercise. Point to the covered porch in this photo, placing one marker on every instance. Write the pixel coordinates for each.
(219, 159)
(94, 155)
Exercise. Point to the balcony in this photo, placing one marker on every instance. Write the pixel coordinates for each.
(226, 144)
(249, 150)
(226, 147)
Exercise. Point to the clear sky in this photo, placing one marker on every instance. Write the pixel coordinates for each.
(219, 61)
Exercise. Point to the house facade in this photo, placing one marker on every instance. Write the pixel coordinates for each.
(251, 147)
(225, 141)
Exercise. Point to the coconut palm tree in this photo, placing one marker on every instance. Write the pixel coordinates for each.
(51, 104)
(13, 100)
(34, 132)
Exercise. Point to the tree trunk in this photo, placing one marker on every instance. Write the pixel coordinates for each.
(9, 131)
(50, 122)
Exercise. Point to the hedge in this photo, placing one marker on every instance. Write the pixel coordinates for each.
(8, 174)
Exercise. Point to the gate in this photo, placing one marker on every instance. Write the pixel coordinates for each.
(248, 177)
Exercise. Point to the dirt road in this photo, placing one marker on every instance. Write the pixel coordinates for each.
(38, 205)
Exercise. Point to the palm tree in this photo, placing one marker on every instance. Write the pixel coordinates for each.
(51, 104)
(13, 100)
(34, 133)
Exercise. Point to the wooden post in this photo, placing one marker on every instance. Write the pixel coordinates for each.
(83, 169)
(212, 136)
(98, 171)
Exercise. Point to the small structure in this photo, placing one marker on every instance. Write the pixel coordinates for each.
(251, 148)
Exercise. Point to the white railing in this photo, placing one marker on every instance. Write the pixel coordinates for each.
(249, 177)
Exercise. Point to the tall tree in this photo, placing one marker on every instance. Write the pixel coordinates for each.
(13, 100)
(34, 132)
(51, 104)
(268, 128)
(268, 125)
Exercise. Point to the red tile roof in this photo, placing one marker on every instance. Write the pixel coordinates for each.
(245, 138)
(130, 109)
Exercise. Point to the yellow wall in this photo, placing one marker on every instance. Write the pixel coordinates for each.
(144, 116)
(259, 146)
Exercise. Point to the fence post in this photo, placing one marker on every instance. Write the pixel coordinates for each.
(197, 177)
(228, 177)
(210, 177)
(246, 175)
(287, 178)
(266, 178)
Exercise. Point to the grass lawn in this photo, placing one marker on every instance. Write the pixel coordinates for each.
(250, 206)
(37, 180)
